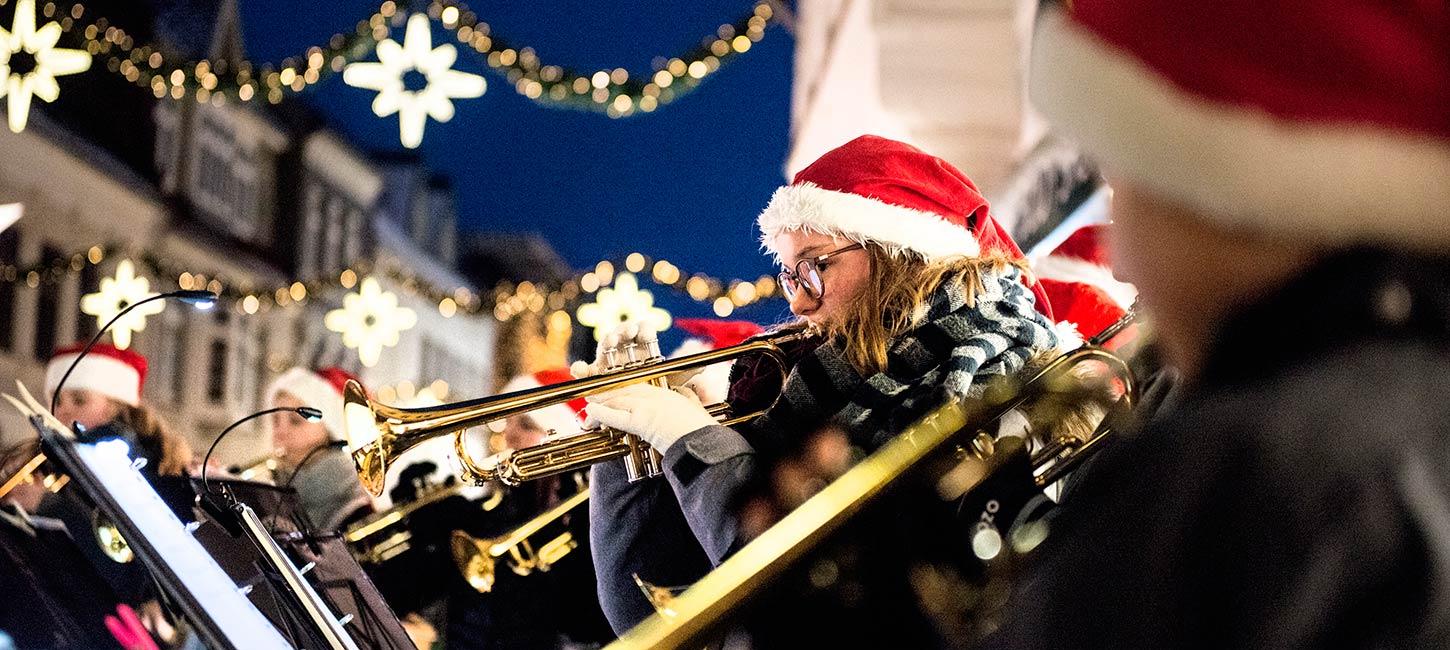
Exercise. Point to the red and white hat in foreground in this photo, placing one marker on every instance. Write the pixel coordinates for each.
(1289, 117)
(106, 369)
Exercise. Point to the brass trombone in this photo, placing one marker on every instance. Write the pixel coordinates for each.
(398, 429)
(477, 558)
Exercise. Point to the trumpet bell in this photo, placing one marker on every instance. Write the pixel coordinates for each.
(360, 418)
(109, 538)
(473, 560)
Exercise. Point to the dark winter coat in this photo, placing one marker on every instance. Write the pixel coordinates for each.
(1297, 496)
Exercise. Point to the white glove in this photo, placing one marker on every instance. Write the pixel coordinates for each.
(661, 416)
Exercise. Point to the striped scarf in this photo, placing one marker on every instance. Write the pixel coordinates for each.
(949, 347)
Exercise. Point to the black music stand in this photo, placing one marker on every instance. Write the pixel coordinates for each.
(187, 575)
(335, 574)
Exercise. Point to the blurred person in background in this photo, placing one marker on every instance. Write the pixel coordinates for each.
(1282, 175)
(312, 456)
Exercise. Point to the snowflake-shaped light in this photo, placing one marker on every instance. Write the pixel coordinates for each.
(370, 320)
(625, 301)
(117, 293)
(9, 214)
(30, 62)
(389, 76)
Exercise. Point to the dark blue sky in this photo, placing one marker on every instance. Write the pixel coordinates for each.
(683, 183)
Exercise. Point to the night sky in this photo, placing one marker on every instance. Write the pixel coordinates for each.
(683, 183)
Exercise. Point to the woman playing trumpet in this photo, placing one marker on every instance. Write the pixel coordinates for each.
(892, 254)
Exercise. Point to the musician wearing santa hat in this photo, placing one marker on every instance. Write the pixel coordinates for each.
(894, 255)
(312, 456)
(103, 395)
(526, 430)
(1282, 179)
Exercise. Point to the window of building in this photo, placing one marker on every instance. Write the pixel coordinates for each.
(90, 283)
(180, 343)
(9, 256)
(259, 369)
(47, 308)
(216, 372)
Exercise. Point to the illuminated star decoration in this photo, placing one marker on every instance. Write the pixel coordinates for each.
(414, 80)
(370, 320)
(117, 293)
(625, 301)
(30, 62)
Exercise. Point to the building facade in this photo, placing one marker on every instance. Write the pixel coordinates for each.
(240, 199)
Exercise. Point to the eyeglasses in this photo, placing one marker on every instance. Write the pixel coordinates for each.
(806, 277)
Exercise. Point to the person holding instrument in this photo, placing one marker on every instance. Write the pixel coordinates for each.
(311, 455)
(893, 255)
(1280, 202)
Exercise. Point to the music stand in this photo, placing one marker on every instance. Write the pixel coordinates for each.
(184, 571)
(335, 575)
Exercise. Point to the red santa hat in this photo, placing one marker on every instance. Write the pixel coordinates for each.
(711, 334)
(321, 389)
(1079, 281)
(560, 418)
(712, 383)
(1278, 115)
(873, 190)
(1083, 258)
(113, 372)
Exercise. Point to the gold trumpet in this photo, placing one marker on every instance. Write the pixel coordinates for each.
(476, 558)
(52, 482)
(398, 429)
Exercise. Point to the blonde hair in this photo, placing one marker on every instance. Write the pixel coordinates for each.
(171, 451)
(898, 287)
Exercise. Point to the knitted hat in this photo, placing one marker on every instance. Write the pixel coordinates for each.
(113, 372)
(320, 389)
(872, 190)
(559, 418)
(1284, 116)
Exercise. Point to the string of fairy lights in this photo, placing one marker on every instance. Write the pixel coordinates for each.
(504, 301)
(612, 91)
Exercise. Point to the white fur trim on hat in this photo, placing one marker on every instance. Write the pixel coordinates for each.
(1067, 269)
(558, 418)
(106, 375)
(1332, 182)
(811, 208)
(312, 390)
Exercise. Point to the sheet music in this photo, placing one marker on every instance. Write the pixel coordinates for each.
(236, 617)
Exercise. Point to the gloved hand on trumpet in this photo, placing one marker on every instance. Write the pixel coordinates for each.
(659, 415)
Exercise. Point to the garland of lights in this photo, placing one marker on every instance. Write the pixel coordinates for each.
(505, 301)
(613, 92)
